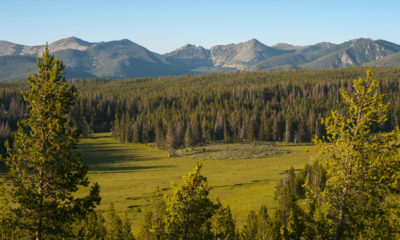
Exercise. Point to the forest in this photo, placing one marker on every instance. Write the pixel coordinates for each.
(174, 112)
(348, 190)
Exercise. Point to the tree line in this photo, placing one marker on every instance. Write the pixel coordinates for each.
(184, 111)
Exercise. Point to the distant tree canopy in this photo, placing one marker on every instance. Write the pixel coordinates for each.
(194, 109)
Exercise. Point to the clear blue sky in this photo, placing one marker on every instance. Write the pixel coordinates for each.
(163, 26)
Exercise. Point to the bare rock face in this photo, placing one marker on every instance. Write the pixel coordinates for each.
(7, 48)
(70, 43)
(243, 55)
(190, 56)
(190, 51)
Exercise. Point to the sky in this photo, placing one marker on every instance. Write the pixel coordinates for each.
(164, 25)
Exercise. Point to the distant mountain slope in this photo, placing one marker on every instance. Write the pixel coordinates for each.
(391, 60)
(16, 67)
(114, 59)
(72, 43)
(240, 56)
(126, 59)
(190, 57)
(327, 55)
(303, 49)
(12, 49)
(284, 62)
(243, 55)
(353, 53)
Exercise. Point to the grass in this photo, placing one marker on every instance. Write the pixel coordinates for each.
(129, 173)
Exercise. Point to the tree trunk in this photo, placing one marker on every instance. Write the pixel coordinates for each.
(38, 233)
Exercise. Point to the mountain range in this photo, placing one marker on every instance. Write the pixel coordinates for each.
(126, 59)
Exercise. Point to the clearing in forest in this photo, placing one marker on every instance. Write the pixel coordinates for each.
(129, 173)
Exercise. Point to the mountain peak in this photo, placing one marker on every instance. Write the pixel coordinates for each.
(254, 42)
(190, 46)
(69, 43)
(125, 41)
(189, 51)
(285, 46)
(361, 40)
(70, 40)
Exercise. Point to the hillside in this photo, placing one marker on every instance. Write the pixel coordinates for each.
(126, 59)
(114, 59)
(391, 60)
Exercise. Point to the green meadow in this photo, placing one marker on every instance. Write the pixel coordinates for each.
(243, 176)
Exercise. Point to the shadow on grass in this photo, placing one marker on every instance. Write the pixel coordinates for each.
(253, 182)
(122, 169)
(105, 153)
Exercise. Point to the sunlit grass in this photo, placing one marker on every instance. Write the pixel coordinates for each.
(129, 173)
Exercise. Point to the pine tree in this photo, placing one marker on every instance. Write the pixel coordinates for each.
(91, 228)
(159, 135)
(288, 127)
(288, 221)
(264, 224)
(136, 136)
(222, 224)
(250, 229)
(189, 139)
(153, 227)
(362, 167)
(44, 170)
(118, 229)
(171, 141)
(189, 209)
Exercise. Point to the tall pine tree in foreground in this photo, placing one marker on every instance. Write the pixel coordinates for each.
(44, 170)
(361, 196)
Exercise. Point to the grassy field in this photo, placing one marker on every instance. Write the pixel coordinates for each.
(129, 173)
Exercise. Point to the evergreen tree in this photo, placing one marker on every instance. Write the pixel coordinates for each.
(288, 221)
(171, 141)
(264, 224)
(189, 209)
(275, 129)
(222, 225)
(153, 227)
(136, 136)
(189, 138)
(250, 229)
(91, 228)
(288, 128)
(43, 170)
(159, 135)
(117, 228)
(362, 167)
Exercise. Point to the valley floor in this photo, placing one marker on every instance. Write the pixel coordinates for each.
(129, 173)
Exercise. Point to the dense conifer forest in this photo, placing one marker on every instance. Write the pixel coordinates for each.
(173, 112)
